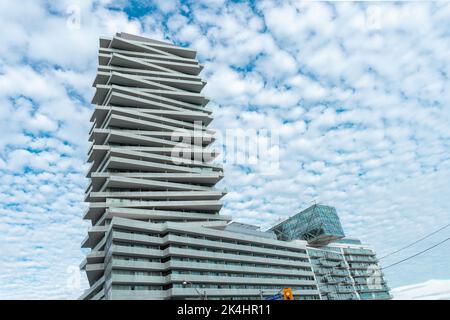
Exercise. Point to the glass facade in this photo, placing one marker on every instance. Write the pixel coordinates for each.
(317, 224)
(339, 277)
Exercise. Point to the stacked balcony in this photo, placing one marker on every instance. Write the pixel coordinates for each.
(150, 155)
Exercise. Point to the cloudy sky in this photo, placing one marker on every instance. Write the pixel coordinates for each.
(358, 94)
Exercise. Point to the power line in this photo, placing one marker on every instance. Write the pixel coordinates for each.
(413, 243)
(415, 255)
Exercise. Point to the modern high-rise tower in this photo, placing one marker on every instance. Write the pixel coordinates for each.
(156, 230)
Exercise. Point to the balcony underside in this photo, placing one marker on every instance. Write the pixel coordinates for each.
(180, 115)
(206, 179)
(130, 96)
(123, 164)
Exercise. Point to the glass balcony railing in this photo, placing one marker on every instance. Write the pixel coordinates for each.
(361, 258)
(358, 251)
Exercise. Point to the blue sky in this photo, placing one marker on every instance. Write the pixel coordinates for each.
(358, 92)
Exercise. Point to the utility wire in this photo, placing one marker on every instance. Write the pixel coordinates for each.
(415, 255)
(413, 243)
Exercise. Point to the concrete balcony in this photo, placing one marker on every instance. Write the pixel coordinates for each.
(155, 195)
(175, 114)
(135, 43)
(362, 266)
(163, 215)
(353, 251)
(129, 97)
(97, 209)
(239, 280)
(175, 80)
(137, 265)
(249, 248)
(361, 258)
(147, 55)
(126, 61)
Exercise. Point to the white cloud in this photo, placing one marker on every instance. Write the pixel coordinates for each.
(429, 290)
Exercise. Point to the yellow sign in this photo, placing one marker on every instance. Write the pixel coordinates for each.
(287, 294)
